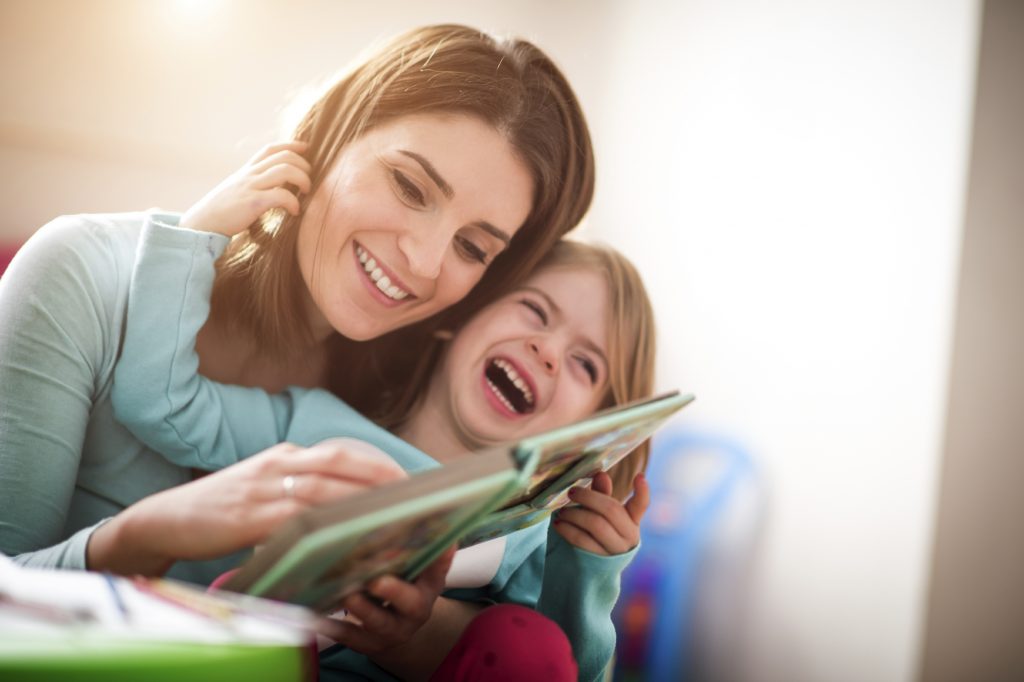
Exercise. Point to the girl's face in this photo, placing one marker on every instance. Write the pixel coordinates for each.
(407, 220)
(534, 360)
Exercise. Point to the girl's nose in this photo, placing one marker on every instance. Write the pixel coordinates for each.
(545, 354)
(425, 249)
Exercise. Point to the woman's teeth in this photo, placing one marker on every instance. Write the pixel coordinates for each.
(378, 277)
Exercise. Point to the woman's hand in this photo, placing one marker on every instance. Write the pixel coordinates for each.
(389, 611)
(268, 180)
(235, 507)
(602, 524)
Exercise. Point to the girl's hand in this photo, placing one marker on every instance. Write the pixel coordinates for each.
(255, 188)
(601, 524)
(390, 610)
(235, 507)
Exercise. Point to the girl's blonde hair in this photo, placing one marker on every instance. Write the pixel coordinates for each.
(631, 339)
(510, 85)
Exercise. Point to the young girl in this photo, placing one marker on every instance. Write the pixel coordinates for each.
(575, 337)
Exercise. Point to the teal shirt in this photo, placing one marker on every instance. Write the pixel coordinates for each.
(160, 396)
(66, 465)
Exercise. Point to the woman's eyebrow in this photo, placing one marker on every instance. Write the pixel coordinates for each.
(449, 192)
(429, 169)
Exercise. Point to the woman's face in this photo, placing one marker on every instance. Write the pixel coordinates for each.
(533, 360)
(407, 220)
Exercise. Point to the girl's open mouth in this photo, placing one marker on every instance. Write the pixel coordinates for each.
(509, 386)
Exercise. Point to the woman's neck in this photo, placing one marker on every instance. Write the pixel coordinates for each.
(231, 357)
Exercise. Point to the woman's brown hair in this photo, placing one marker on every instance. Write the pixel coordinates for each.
(510, 85)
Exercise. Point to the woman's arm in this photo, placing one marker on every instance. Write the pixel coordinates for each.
(57, 301)
(158, 392)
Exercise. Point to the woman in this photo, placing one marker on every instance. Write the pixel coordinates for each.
(514, 172)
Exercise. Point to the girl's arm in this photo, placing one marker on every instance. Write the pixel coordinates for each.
(158, 393)
(589, 546)
(59, 301)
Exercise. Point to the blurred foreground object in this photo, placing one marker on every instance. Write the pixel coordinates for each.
(77, 625)
(697, 485)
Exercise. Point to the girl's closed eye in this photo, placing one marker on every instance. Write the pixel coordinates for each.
(537, 310)
(588, 366)
(407, 188)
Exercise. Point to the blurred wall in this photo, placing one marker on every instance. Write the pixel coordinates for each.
(788, 175)
(975, 624)
(113, 105)
(792, 173)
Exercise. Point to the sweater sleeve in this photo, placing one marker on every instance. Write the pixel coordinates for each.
(158, 392)
(56, 302)
(579, 591)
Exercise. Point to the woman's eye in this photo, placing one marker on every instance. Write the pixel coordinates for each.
(408, 189)
(589, 367)
(470, 251)
(537, 310)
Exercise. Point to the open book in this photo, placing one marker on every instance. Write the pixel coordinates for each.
(332, 550)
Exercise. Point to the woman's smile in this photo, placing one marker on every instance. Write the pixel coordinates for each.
(384, 285)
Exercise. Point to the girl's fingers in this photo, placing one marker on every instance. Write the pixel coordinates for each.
(602, 483)
(578, 537)
(373, 616)
(598, 527)
(637, 505)
(607, 507)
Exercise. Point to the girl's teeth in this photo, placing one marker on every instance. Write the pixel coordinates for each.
(501, 397)
(516, 380)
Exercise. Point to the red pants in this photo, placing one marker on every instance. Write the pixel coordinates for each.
(505, 643)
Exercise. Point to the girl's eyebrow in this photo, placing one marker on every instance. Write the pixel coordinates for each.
(587, 342)
(449, 192)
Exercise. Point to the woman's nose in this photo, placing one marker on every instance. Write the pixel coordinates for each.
(545, 354)
(425, 249)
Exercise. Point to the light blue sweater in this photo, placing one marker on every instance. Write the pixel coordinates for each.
(159, 395)
(66, 465)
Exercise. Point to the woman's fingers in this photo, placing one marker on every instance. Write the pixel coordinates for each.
(346, 458)
(297, 146)
(282, 158)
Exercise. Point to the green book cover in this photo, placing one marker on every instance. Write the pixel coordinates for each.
(332, 550)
